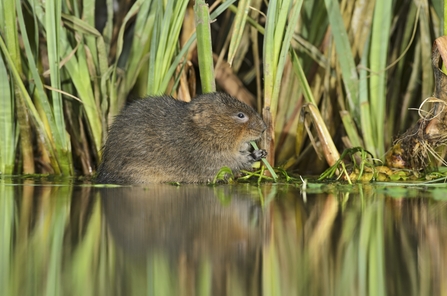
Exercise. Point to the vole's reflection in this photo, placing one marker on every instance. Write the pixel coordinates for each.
(189, 224)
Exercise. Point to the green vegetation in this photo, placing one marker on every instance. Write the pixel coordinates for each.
(326, 74)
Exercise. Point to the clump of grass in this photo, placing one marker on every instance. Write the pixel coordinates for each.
(342, 169)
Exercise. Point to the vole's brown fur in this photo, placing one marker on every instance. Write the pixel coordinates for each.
(160, 139)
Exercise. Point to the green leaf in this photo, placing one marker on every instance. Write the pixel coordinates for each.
(238, 28)
(345, 57)
(204, 48)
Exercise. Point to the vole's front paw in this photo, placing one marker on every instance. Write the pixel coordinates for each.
(258, 154)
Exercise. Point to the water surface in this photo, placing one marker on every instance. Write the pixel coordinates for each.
(61, 237)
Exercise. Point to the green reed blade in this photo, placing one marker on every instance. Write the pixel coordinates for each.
(266, 163)
(137, 60)
(107, 32)
(120, 43)
(398, 110)
(176, 22)
(365, 110)
(238, 28)
(53, 113)
(157, 11)
(30, 108)
(344, 55)
(164, 44)
(177, 60)
(276, 46)
(157, 42)
(84, 68)
(444, 18)
(88, 17)
(378, 58)
(7, 123)
(13, 60)
(304, 84)
(427, 79)
(52, 28)
(204, 48)
(268, 54)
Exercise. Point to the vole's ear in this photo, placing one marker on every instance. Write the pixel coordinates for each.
(198, 113)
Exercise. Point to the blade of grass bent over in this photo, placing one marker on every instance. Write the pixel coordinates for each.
(266, 163)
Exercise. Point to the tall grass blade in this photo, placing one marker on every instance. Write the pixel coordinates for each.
(351, 129)
(378, 58)
(365, 109)
(277, 39)
(398, 110)
(427, 79)
(345, 57)
(49, 125)
(151, 87)
(138, 53)
(177, 60)
(77, 66)
(53, 38)
(204, 48)
(164, 43)
(88, 16)
(238, 28)
(304, 84)
(7, 123)
(12, 58)
(107, 32)
(117, 98)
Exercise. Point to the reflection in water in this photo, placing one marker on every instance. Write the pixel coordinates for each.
(185, 235)
(225, 240)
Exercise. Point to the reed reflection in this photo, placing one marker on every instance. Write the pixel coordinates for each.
(362, 243)
(64, 239)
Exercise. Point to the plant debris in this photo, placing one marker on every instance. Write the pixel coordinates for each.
(416, 148)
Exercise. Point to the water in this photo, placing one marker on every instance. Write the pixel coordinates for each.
(65, 238)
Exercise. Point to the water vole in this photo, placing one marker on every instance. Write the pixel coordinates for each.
(161, 139)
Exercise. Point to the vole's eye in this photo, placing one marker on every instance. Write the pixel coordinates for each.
(241, 117)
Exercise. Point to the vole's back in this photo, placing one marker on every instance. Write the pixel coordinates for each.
(161, 139)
